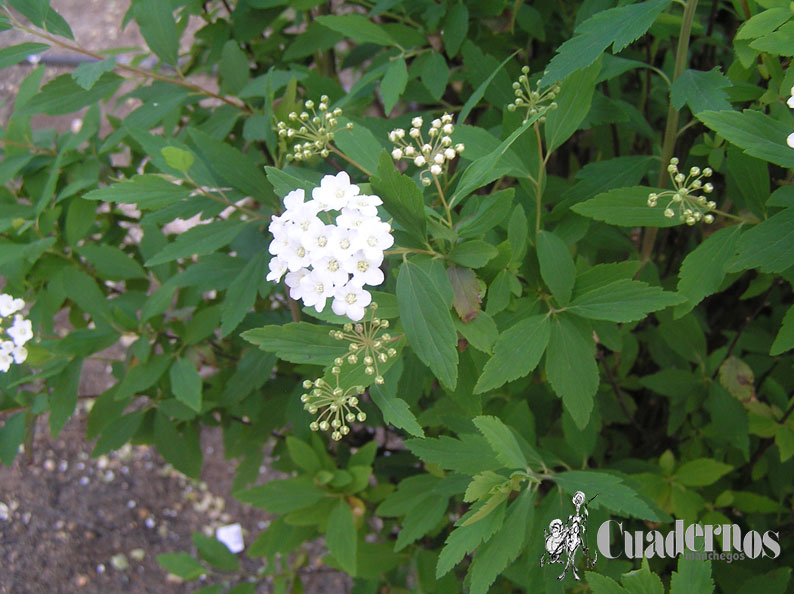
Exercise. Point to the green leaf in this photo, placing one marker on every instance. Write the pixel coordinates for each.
(420, 520)
(556, 265)
(233, 67)
(360, 144)
(617, 26)
(468, 455)
(393, 84)
(626, 207)
(178, 158)
(573, 104)
(434, 73)
(63, 398)
(83, 290)
(473, 253)
(428, 323)
(612, 493)
(315, 38)
(700, 90)
(768, 246)
(228, 163)
(763, 23)
(200, 240)
(784, 340)
(692, 576)
(502, 441)
(395, 410)
(282, 496)
(242, 292)
(186, 383)
(149, 192)
(12, 434)
(111, 263)
(623, 301)
(303, 455)
(504, 547)
(358, 28)
(456, 25)
(283, 182)
(480, 332)
(401, 197)
(478, 93)
(601, 584)
(181, 564)
(340, 537)
(758, 134)
(777, 43)
(117, 433)
(158, 28)
(87, 73)
(703, 270)
(299, 342)
(493, 209)
(516, 353)
(183, 451)
(215, 553)
(701, 472)
(13, 55)
(466, 289)
(63, 95)
(571, 367)
(464, 539)
(43, 15)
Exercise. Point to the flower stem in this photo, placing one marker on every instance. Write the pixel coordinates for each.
(539, 181)
(443, 201)
(671, 129)
(339, 153)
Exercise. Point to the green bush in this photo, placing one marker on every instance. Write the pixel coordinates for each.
(587, 255)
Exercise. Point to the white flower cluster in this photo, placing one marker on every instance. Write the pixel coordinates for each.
(691, 207)
(790, 103)
(21, 331)
(330, 260)
(433, 154)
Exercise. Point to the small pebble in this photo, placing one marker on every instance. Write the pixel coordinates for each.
(100, 568)
(119, 562)
(131, 504)
(63, 466)
(138, 554)
(49, 465)
(83, 480)
(4, 512)
(149, 522)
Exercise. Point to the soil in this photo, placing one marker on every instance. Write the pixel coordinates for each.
(70, 523)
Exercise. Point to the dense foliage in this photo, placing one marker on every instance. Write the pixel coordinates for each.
(587, 275)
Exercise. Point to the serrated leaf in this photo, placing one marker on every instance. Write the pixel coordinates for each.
(200, 240)
(616, 26)
(756, 133)
(456, 24)
(473, 253)
(233, 67)
(622, 301)
(700, 90)
(420, 520)
(87, 73)
(701, 472)
(186, 383)
(703, 270)
(427, 322)
(182, 565)
(358, 28)
(63, 398)
(573, 104)
(401, 197)
(156, 21)
(395, 411)
(111, 263)
(12, 434)
(692, 576)
(282, 496)
(63, 95)
(517, 352)
(435, 73)
(556, 265)
(502, 441)
(360, 144)
(464, 539)
(625, 207)
(43, 15)
(504, 547)
(602, 584)
(571, 367)
(784, 340)
(478, 93)
(178, 158)
(611, 493)
(768, 246)
(182, 450)
(480, 332)
(242, 292)
(12, 55)
(299, 342)
(777, 43)
(149, 192)
(468, 455)
(466, 288)
(215, 553)
(393, 84)
(340, 537)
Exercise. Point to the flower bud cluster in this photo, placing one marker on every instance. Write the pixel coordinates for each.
(330, 260)
(336, 407)
(368, 344)
(19, 331)
(790, 103)
(433, 153)
(533, 101)
(691, 207)
(315, 126)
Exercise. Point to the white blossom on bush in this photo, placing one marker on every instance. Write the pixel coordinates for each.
(330, 247)
(20, 331)
(790, 103)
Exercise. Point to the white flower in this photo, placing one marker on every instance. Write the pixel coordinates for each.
(790, 101)
(302, 217)
(366, 205)
(5, 361)
(344, 243)
(332, 270)
(335, 191)
(316, 289)
(352, 218)
(294, 199)
(296, 256)
(19, 353)
(417, 122)
(396, 154)
(435, 169)
(376, 238)
(365, 269)
(350, 300)
(293, 280)
(9, 305)
(790, 140)
(277, 268)
(21, 331)
(317, 237)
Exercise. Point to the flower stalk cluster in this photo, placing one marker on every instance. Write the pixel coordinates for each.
(533, 101)
(368, 343)
(332, 258)
(433, 153)
(314, 126)
(691, 206)
(19, 331)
